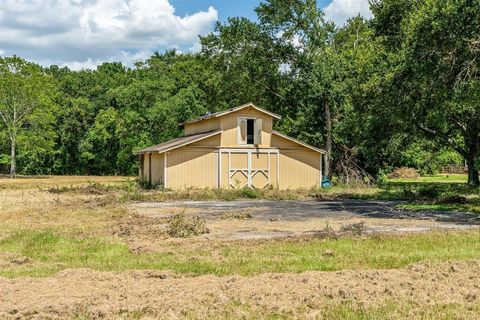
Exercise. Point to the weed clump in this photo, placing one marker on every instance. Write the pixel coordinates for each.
(237, 215)
(250, 193)
(404, 173)
(181, 226)
(90, 188)
(355, 228)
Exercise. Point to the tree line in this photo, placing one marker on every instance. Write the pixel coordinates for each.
(399, 89)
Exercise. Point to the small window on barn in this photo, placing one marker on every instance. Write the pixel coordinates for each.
(249, 131)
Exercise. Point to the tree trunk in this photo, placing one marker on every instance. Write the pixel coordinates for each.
(473, 179)
(328, 147)
(472, 155)
(13, 160)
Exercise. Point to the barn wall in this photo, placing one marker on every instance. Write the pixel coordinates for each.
(202, 126)
(300, 167)
(229, 126)
(211, 142)
(157, 168)
(192, 167)
(145, 167)
(274, 168)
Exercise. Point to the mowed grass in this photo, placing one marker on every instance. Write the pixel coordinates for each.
(392, 310)
(48, 252)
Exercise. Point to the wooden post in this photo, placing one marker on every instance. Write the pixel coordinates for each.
(150, 169)
(141, 158)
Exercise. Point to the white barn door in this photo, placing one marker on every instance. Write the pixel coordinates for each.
(249, 168)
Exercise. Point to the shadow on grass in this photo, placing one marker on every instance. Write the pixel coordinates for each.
(439, 201)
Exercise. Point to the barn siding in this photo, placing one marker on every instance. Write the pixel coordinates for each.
(157, 168)
(300, 167)
(202, 126)
(191, 168)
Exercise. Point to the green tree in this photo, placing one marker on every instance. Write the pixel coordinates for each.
(246, 61)
(311, 66)
(437, 83)
(26, 107)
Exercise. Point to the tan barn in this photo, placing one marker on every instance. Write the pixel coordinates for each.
(234, 148)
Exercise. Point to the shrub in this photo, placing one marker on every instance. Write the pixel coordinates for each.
(404, 173)
(453, 199)
(181, 226)
(250, 193)
(381, 178)
(429, 192)
(408, 192)
(226, 195)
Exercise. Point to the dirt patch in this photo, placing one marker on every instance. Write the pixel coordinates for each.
(8, 259)
(106, 294)
(139, 232)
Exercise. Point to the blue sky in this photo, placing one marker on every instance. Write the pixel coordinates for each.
(226, 8)
(85, 33)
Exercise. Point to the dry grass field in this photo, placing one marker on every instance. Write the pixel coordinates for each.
(78, 247)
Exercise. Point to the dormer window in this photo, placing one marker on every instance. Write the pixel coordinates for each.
(249, 131)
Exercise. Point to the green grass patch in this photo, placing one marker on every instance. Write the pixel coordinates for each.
(49, 252)
(458, 207)
(399, 310)
(439, 178)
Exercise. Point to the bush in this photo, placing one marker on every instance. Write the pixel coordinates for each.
(250, 193)
(224, 194)
(381, 178)
(404, 173)
(408, 192)
(429, 192)
(145, 185)
(181, 226)
(453, 199)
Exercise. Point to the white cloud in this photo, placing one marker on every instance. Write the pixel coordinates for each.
(123, 57)
(339, 11)
(84, 33)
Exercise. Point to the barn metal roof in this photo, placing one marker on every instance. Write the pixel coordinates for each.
(178, 142)
(224, 112)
